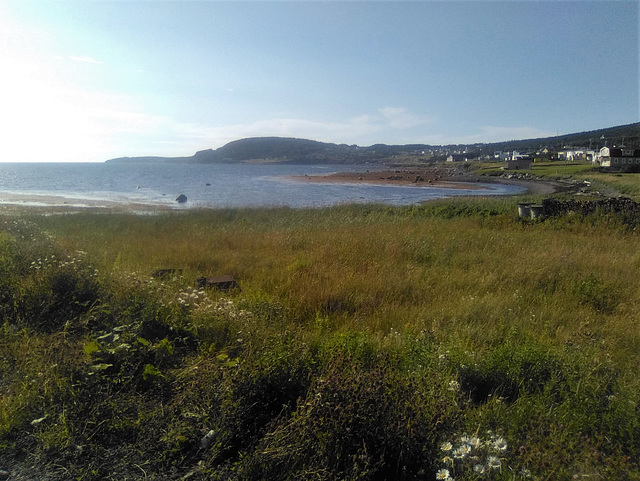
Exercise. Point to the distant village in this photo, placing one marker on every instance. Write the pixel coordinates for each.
(621, 158)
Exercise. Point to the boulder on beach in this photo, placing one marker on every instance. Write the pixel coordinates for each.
(181, 199)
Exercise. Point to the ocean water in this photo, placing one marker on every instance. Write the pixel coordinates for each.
(239, 185)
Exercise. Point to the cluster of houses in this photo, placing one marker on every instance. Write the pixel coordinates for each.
(614, 158)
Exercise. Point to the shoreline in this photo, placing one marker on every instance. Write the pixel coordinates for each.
(421, 177)
(532, 186)
(10, 201)
(434, 178)
(401, 178)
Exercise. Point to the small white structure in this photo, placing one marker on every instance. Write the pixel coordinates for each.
(530, 211)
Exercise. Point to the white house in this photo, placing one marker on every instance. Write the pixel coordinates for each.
(621, 159)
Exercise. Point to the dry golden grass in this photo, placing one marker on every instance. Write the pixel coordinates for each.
(376, 268)
(455, 317)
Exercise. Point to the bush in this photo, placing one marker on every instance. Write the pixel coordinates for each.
(356, 422)
(593, 292)
(510, 370)
(56, 294)
(255, 393)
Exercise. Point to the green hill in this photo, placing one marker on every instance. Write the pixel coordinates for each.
(622, 134)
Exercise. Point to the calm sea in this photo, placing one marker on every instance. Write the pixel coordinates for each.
(240, 185)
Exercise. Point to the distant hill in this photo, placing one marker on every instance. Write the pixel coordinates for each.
(274, 149)
(303, 151)
(627, 134)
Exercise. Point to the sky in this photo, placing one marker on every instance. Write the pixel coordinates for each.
(85, 81)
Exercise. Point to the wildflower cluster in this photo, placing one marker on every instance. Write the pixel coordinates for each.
(75, 262)
(454, 386)
(393, 334)
(229, 309)
(23, 230)
(191, 297)
(198, 301)
(45, 263)
(472, 457)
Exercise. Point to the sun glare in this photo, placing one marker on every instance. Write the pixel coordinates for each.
(36, 120)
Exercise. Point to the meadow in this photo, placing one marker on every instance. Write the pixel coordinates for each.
(451, 340)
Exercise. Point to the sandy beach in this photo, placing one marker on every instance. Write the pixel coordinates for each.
(53, 203)
(443, 178)
(412, 177)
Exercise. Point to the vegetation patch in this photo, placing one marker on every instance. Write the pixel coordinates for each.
(370, 343)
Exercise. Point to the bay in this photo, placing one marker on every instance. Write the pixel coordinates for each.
(210, 185)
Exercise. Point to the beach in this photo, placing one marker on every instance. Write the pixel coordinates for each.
(430, 178)
(62, 203)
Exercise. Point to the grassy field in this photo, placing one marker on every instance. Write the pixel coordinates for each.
(553, 170)
(368, 342)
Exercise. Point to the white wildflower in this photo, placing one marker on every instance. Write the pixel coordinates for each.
(493, 462)
(465, 449)
(446, 446)
(443, 474)
(459, 453)
(475, 442)
(500, 444)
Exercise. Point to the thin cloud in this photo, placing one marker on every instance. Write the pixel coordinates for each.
(401, 118)
(85, 59)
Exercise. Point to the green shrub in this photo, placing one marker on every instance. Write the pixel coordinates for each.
(356, 422)
(8, 278)
(593, 292)
(510, 370)
(255, 393)
(56, 294)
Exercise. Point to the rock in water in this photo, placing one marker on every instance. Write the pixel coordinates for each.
(181, 199)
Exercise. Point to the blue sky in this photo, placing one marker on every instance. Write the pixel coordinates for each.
(92, 80)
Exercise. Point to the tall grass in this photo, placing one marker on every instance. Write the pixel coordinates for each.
(364, 339)
(365, 265)
(626, 183)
